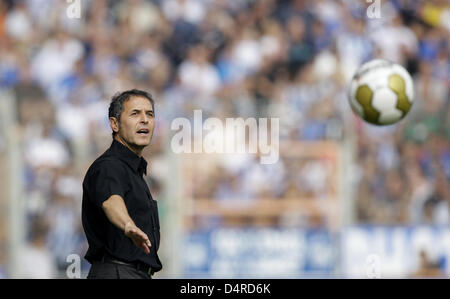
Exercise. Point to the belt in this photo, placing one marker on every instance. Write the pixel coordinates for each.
(136, 265)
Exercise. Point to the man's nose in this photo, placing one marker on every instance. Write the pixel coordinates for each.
(145, 119)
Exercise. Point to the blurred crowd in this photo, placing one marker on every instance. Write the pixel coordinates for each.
(241, 58)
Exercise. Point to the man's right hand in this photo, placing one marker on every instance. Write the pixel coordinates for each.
(139, 238)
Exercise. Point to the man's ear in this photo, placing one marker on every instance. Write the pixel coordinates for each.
(114, 123)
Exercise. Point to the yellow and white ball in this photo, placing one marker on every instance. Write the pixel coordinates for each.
(381, 92)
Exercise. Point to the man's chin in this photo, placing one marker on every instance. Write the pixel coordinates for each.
(142, 143)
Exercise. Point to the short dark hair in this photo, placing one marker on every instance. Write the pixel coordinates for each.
(116, 106)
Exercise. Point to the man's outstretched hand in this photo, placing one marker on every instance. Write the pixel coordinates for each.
(139, 238)
(116, 211)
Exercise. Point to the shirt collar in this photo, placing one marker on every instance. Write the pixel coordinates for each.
(125, 154)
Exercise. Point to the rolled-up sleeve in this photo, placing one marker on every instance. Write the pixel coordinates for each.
(108, 179)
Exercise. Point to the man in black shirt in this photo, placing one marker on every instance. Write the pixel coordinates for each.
(119, 215)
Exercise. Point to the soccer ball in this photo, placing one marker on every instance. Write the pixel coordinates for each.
(381, 92)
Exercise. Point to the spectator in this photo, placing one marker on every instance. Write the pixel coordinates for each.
(197, 73)
(36, 261)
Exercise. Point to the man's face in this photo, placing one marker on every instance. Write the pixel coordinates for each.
(136, 122)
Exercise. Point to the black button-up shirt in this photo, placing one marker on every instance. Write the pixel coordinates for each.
(119, 171)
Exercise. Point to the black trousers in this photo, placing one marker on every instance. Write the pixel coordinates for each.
(109, 270)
